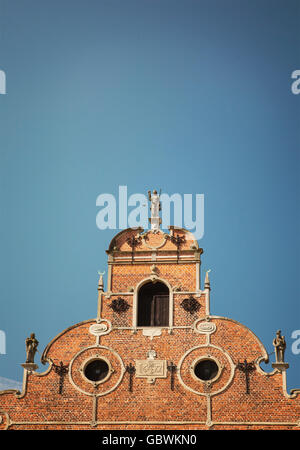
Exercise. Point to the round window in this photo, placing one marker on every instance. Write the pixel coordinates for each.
(206, 369)
(96, 370)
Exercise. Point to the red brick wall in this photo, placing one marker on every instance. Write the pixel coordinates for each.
(191, 405)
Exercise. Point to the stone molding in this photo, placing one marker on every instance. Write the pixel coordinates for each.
(10, 423)
(95, 358)
(207, 356)
(97, 348)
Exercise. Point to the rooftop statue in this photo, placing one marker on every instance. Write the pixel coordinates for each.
(280, 346)
(31, 348)
(155, 208)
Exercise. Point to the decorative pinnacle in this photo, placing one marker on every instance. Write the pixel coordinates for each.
(100, 282)
(207, 282)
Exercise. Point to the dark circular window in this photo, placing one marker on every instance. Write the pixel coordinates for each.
(206, 369)
(96, 370)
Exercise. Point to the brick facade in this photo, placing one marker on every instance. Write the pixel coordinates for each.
(177, 400)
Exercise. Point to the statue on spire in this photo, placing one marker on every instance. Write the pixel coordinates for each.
(155, 208)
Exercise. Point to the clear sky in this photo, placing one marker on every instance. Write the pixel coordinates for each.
(190, 96)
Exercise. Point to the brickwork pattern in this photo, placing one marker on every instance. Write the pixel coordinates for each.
(221, 403)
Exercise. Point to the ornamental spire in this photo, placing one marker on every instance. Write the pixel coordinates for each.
(207, 281)
(100, 282)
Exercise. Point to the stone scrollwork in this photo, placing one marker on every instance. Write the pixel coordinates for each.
(100, 328)
(204, 327)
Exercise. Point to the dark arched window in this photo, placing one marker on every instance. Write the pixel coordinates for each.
(153, 305)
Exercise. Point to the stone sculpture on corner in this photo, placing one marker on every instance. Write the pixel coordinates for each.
(31, 349)
(279, 346)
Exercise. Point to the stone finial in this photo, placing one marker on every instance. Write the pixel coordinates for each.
(100, 282)
(207, 281)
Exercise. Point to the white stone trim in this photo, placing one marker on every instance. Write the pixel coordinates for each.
(208, 411)
(294, 392)
(149, 422)
(232, 366)
(26, 374)
(206, 357)
(123, 370)
(96, 358)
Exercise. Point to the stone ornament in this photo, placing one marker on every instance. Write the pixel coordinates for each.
(151, 332)
(119, 305)
(164, 236)
(154, 269)
(155, 208)
(31, 348)
(204, 327)
(101, 328)
(195, 355)
(280, 346)
(151, 368)
(190, 305)
(77, 365)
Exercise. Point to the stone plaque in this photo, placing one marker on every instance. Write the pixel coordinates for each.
(98, 329)
(151, 369)
(205, 327)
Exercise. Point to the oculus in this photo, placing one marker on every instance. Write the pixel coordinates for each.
(96, 370)
(206, 369)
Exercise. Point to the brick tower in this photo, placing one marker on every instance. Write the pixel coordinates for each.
(154, 357)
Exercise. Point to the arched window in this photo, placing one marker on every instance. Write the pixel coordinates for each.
(153, 305)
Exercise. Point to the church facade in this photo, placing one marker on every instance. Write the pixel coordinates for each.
(154, 357)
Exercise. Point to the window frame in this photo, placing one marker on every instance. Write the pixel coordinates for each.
(135, 303)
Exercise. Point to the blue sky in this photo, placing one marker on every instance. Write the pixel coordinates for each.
(189, 96)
